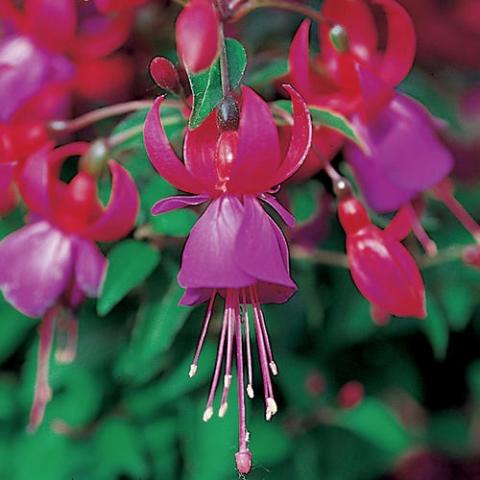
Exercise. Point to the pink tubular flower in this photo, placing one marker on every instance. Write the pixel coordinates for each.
(54, 261)
(197, 32)
(381, 267)
(356, 77)
(235, 250)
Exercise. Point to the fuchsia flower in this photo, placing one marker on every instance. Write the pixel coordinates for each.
(356, 77)
(235, 250)
(54, 261)
(198, 34)
(381, 267)
(66, 43)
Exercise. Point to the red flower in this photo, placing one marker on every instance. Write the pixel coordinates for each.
(381, 267)
(197, 31)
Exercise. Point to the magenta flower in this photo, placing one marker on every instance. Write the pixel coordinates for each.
(197, 32)
(54, 262)
(382, 268)
(235, 250)
(403, 154)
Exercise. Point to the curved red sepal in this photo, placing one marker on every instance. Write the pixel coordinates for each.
(162, 155)
(119, 216)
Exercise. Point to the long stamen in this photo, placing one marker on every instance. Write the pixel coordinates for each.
(444, 191)
(201, 340)
(67, 329)
(243, 457)
(246, 323)
(43, 392)
(207, 415)
(232, 312)
(271, 362)
(270, 404)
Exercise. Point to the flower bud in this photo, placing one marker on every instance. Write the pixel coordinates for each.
(352, 215)
(197, 32)
(351, 394)
(228, 114)
(164, 74)
(95, 160)
(339, 38)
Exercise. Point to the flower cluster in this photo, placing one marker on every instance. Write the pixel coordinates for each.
(334, 114)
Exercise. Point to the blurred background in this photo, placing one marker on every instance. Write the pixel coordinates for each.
(357, 401)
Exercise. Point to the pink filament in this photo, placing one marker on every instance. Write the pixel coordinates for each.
(43, 392)
(67, 329)
(203, 335)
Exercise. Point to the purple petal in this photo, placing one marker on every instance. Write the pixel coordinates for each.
(195, 296)
(209, 257)
(285, 215)
(261, 249)
(173, 203)
(36, 267)
(406, 156)
(34, 182)
(27, 69)
(90, 267)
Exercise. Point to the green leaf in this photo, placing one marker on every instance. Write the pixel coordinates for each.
(157, 326)
(129, 263)
(435, 327)
(207, 86)
(305, 200)
(324, 117)
(209, 446)
(119, 451)
(14, 327)
(177, 223)
(146, 401)
(373, 421)
(268, 73)
(173, 122)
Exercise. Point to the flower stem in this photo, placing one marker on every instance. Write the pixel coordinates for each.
(224, 64)
(288, 5)
(43, 392)
(96, 115)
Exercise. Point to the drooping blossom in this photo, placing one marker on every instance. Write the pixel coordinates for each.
(235, 250)
(355, 77)
(382, 268)
(67, 42)
(197, 32)
(50, 265)
(51, 52)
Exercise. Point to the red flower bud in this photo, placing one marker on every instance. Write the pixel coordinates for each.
(164, 73)
(351, 394)
(381, 267)
(197, 32)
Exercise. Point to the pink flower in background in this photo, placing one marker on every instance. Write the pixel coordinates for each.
(353, 76)
(68, 43)
(235, 250)
(381, 267)
(54, 261)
